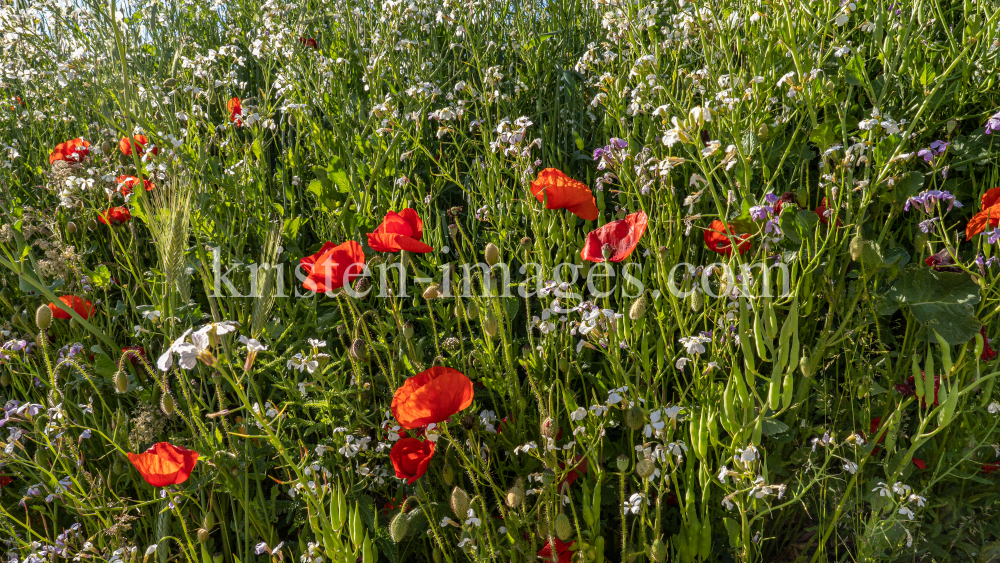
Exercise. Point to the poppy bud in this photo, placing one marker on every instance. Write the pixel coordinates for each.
(460, 503)
(622, 462)
(169, 83)
(398, 527)
(217, 558)
(202, 535)
(107, 147)
(548, 476)
(658, 551)
(208, 522)
(638, 308)
(762, 132)
(549, 428)
(697, 300)
(492, 254)
(857, 247)
(117, 467)
(515, 495)
(563, 365)
(358, 350)
(472, 310)
(167, 404)
(43, 317)
(121, 381)
(448, 474)
(5, 380)
(607, 251)
(71, 228)
(433, 291)
(526, 242)
(408, 331)
(564, 529)
(362, 286)
(804, 364)
(92, 225)
(436, 555)
(635, 418)
(645, 468)
(490, 325)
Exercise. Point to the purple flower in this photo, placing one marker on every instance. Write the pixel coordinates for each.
(928, 225)
(928, 198)
(771, 199)
(992, 236)
(993, 124)
(926, 154)
(760, 212)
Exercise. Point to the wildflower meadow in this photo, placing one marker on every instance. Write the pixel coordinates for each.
(485, 281)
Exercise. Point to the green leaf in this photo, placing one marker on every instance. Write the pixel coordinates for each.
(105, 366)
(773, 427)
(939, 301)
(854, 71)
(908, 186)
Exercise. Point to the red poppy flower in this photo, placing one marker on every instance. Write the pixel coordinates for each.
(308, 42)
(235, 108)
(821, 211)
(988, 216)
(577, 471)
(563, 554)
(115, 216)
(921, 464)
(620, 237)
(333, 266)
(785, 199)
(563, 192)
(410, 457)
(873, 426)
(988, 468)
(4, 481)
(127, 184)
(164, 464)
(73, 150)
(431, 396)
(717, 240)
(988, 353)
(139, 142)
(399, 231)
(82, 307)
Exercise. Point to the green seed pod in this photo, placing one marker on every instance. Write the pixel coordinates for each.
(43, 317)
(564, 529)
(980, 343)
(697, 300)
(121, 381)
(645, 468)
(515, 495)
(167, 404)
(946, 364)
(460, 503)
(398, 527)
(658, 551)
(408, 331)
(492, 254)
(202, 535)
(918, 378)
(638, 308)
(804, 364)
(635, 418)
(622, 463)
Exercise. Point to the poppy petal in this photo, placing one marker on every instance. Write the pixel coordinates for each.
(416, 224)
(559, 191)
(622, 235)
(431, 396)
(989, 217)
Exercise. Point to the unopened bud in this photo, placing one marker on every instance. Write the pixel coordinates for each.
(526, 242)
(107, 147)
(5, 379)
(564, 529)
(202, 535)
(408, 331)
(358, 350)
(459, 503)
(362, 287)
(857, 247)
(43, 317)
(167, 404)
(548, 477)
(635, 418)
(697, 300)
(398, 527)
(448, 474)
(433, 291)
(658, 551)
(645, 468)
(169, 83)
(638, 308)
(492, 254)
(71, 228)
(804, 364)
(515, 495)
(490, 325)
(121, 381)
(549, 429)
